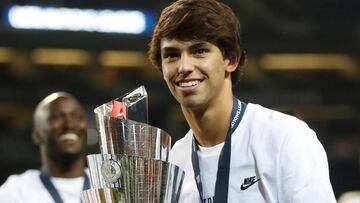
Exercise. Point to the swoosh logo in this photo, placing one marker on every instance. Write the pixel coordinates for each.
(248, 182)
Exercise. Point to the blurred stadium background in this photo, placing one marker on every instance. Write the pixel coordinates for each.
(303, 60)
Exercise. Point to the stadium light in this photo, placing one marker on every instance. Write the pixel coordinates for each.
(74, 19)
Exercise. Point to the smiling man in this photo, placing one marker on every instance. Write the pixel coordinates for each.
(234, 151)
(60, 132)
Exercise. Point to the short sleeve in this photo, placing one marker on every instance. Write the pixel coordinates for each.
(303, 169)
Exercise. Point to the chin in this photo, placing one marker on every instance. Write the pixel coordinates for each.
(191, 104)
(191, 100)
(65, 157)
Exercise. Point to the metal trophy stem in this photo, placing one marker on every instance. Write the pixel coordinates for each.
(132, 166)
(103, 195)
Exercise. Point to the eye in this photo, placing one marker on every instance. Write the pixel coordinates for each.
(200, 51)
(78, 115)
(170, 56)
(55, 116)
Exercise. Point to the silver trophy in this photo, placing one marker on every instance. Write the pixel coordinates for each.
(133, 165)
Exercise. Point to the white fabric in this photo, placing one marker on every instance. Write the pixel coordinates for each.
(279, 149)
(28, 188)
(208, 162)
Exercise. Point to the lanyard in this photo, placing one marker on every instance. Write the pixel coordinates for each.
(222, 178)
(45, 179)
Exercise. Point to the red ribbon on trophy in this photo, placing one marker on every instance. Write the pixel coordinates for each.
(119, 110)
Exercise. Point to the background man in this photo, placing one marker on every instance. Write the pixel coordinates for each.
(60, 131)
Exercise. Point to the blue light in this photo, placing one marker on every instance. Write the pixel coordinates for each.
(74, 19)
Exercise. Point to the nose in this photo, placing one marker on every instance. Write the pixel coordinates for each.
(69, 122)
(185, 64)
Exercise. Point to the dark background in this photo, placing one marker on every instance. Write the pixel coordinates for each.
(326, 97)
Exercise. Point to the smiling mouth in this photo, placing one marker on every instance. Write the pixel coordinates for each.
(188, 83)
(69, 137)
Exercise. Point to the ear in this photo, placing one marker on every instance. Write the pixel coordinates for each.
(233, 63)
(37, 138)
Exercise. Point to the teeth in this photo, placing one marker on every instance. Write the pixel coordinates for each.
(69, 136)
(189, 83)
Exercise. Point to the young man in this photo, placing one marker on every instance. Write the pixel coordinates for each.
(60, 131)
(234, 152)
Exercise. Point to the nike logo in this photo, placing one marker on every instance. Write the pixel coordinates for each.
(249, 182)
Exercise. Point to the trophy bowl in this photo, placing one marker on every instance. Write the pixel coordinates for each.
(118, 136)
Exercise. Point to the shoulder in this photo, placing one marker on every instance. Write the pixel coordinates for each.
(287, 132)
(271, 131)
(272, 118)
(18, 183)
(181, 151)
(26, 176)
(268, 122)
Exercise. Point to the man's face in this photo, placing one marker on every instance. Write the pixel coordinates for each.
(63, 131)
(195, 71)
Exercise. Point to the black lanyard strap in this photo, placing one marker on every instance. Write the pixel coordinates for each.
(45, 179)
(222, 178)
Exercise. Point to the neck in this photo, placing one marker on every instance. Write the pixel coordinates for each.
(210, 125)
(64, 170)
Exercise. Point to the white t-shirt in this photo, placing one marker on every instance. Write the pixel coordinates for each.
(275, 158)
(208, 162)
(28, 188)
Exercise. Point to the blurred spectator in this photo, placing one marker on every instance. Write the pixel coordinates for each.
(60, 132)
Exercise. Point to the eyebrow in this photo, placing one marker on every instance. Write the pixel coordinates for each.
(196, 45)
(169, 49)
